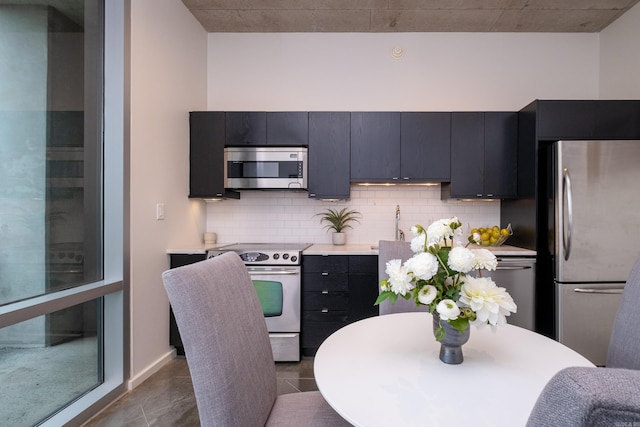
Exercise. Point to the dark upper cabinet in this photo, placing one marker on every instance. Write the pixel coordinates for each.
(587, 119)
(400, 147)
(545, 121)
(375, 142)
(206, 155)
(329, 158)
(425, 147)
(272, 128)
(483, 155)
(246, 128)
(288, 128)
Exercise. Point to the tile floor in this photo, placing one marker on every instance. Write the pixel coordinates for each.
(167, 399)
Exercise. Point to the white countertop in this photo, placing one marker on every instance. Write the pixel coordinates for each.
(363, 249)
(354, 249)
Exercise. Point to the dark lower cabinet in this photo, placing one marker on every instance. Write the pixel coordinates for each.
(178, 260)
(337, 290)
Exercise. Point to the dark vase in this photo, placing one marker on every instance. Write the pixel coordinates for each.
(451, 344)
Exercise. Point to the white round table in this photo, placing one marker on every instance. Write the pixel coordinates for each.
(385, 371)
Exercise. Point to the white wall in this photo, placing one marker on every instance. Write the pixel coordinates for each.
(351, 72)
(168, 79)
(620, 57)
(439, 71)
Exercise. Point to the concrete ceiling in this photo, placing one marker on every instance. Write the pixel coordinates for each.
(382, 16)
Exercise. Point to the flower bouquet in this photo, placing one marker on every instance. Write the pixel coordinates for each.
(439, 276)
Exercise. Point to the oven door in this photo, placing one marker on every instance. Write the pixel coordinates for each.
(279, 292)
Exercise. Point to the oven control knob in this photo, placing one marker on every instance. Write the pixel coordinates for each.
(276, 256)
(285, 256)
(294, 258)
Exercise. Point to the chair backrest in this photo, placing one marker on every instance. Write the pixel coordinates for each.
(624, 347)
(388, 250)
(225, 339)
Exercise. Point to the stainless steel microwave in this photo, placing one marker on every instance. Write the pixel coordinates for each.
(265, 168)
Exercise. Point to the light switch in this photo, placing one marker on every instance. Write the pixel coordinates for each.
(160, 211)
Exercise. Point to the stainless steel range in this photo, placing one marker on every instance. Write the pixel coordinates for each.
(275, 271)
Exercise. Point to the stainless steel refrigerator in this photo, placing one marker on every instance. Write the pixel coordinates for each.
(595, 232)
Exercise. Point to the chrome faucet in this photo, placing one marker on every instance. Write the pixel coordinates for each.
(399, 233)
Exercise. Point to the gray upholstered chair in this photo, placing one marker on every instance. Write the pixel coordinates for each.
(607, 396)
(388, 250)
(228, 350)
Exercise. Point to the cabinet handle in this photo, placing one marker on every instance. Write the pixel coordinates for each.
(514, 267)
(395, 178)
(478, 195)
(406, 178)
(325, 292)
(489, 195)
(325, 310)
(324, 273)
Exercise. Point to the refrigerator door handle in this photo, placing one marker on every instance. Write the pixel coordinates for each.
(598, 291)
(568, 201)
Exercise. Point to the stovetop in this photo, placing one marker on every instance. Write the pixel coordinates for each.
(264, 253)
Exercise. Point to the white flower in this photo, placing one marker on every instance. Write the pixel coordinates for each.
(485, 259)
(448, 310)
(490, 303)
(423, 265)
(477, 238)
(400, 280)
(427, 294)
(417, 243)
(461, 259)
(441, 229)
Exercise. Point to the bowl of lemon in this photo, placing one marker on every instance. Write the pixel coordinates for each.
(490, 236)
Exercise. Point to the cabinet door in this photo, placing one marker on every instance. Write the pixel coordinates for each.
(206, 155)
(500, 154)
(425, 147)
(363, 286)
(288, 129)
(375, 146)
(329, 156)
(246, 128)
(467, 154)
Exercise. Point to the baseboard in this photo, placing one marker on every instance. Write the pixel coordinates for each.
(151, 369)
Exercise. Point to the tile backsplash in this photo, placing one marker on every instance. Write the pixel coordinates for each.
(288, 217)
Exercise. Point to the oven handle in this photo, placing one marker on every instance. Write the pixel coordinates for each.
(273, 273)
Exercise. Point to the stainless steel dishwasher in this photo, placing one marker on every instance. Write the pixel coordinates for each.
(518, 276)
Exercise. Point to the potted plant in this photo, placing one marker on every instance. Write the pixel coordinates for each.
(338, 220)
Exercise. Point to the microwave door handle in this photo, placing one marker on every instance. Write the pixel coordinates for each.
(568, 201)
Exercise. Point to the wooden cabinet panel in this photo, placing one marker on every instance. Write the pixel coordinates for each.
(325, 281)
(375, 142)
(288, 128)
(329, 155)
(328, 263)
(246, 128)
(206, 155)
(500, 154)
(337, 290)
(484, 154)
(425, 147)
(178, 260)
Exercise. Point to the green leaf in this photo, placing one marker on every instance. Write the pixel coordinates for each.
(391, 296)
(460, 324)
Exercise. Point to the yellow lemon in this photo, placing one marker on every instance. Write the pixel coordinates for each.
(504, 232)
